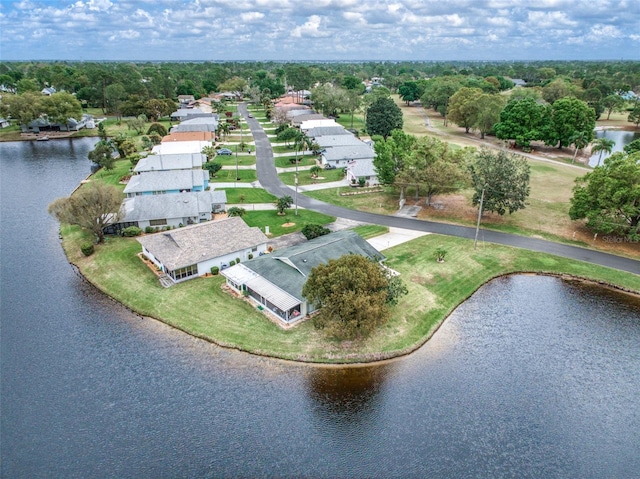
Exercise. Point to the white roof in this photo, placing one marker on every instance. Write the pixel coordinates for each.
(173, 147)
(305, 125)
(240, 274)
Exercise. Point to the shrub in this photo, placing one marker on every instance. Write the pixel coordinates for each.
(149, 229)
(361, 182)
(236, 211)
(87, 249)
(439, 254)
(215, 270)
(157, 128)
(237, 260)
(232, 263)
(132, 231)
(313, 231)
(250, 256)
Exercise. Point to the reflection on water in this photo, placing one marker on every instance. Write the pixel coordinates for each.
(622, 138)
(346, 392)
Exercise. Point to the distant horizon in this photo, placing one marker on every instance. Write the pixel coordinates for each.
(326, 30)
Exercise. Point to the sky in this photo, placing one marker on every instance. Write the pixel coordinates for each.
(317, 30)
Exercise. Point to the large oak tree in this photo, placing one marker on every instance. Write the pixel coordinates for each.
(609, 197)
(353, 292)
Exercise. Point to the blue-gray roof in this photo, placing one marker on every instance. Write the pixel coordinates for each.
(177, 161)
(349, 152)
(166, 180)
(289, 268)
(180, 205)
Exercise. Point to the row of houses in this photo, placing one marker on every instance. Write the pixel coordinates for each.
(339, 147)
(272, 281)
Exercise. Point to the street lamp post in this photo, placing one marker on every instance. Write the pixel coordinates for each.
(236, 179)
(475, 241)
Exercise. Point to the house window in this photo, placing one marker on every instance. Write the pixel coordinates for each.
(161, 222)
(159, 192)
(182, 273)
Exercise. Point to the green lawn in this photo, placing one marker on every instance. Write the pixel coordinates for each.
(225, 176)
(435, 289)
(304, 177)
(358, 122)
(112, 177)
(289, 161)
(294, 223)
(283, 148)
(230, 160)
(370, 231)
(248, 195)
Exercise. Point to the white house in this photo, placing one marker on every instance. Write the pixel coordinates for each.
(340, 156)
(363, 168)
(192, 251)
(177, 161)
(275, 281)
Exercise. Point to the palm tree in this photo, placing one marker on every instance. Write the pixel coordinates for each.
(580, 139)
(601, 145)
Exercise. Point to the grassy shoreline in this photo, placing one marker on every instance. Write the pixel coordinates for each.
(202, 308)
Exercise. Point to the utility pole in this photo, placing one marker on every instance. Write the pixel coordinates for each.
(296, 180)
(234, 181)
(475, 242)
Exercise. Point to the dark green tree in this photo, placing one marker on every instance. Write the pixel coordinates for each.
(409, 91)
(609, 197)
(352, 292)
(504, 179)
(634, 114)
(102, 154)
(383, 116)
(391, 154)
(311, 231)
(569, 116)
(212, 167)
(523, 120)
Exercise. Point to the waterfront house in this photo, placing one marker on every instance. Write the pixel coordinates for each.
(167, 182)
(162, 211)
(275, 281)
(177, 161)
(192, 251)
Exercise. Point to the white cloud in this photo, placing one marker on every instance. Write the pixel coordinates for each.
(251, 17)
(312, 28)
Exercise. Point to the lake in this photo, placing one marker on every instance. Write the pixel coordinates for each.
(532, 377)
(621, 137)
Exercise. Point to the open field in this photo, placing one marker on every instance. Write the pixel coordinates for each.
(288, 223)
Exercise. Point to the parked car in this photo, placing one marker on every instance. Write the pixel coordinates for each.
(329, 166)
(250, 115)
(225, 151)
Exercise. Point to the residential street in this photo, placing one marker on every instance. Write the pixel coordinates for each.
(268, 178)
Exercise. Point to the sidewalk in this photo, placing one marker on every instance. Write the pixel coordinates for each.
(394, 237)
(324, 186)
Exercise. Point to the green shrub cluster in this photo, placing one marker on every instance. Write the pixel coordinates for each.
(87, 249)
(131, 231)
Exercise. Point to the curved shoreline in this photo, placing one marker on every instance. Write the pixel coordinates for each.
(353, 360)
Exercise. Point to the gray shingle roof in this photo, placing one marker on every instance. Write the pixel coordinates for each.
(197, 124)
(327, 130)
(327, 141)
(289, 268)
(178, 161)
(350, 152)
(193, 244)
(180, 205)
(166, 180)
(363, 167)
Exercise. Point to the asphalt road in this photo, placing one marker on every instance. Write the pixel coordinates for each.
(269, 180)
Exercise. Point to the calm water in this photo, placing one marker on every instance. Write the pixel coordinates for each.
(533, 377)
(622, 139)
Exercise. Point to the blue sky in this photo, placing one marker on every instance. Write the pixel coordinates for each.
(314, 30)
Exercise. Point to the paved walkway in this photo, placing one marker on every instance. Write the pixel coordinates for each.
(268, 177)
